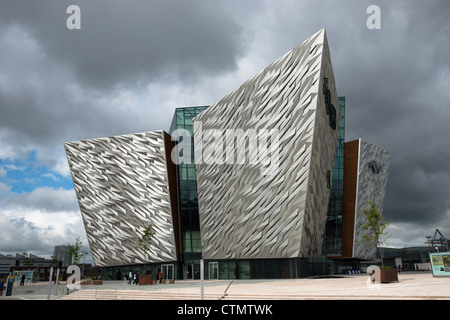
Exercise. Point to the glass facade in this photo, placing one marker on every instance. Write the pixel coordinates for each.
(333, 230)
(187, 198)
(257, 269)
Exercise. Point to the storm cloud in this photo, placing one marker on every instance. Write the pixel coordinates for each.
(132, 63)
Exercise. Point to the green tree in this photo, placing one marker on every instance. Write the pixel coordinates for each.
(146, 240)
(375, 228)
(76, 252)
(54, 262)
(26, 260)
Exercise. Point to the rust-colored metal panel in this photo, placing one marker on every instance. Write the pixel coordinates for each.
(173, 189)
(351, 151)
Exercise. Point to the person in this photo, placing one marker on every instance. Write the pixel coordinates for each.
(136, 278)
(2, 285)
(125, 279)
(22, 280)
(130, 277)
(160, 276)
(236, 271)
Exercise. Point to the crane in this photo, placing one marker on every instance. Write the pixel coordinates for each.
(438, 241)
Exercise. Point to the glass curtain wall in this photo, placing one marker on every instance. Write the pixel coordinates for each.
(333, 230)
(187, 198)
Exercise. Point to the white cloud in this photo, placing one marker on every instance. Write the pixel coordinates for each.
(37, 221)
(43, 198)
(4, 187)
(411, 235)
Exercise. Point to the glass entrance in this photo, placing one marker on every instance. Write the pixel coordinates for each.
(188, 271)
(213, 270)
(168, 271)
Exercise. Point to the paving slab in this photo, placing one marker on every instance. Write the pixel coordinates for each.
(411, 286)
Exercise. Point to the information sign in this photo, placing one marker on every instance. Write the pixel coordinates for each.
(9, 285)
(440, 264)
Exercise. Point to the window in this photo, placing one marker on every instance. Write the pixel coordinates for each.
(328, 179)
(332, 117)
(329, 108)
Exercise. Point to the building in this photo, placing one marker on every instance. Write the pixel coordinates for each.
(125, 184)
(61, 254)
(191, 248)
(264, 157)
(366, 168)
(257, 184)
(35, 267)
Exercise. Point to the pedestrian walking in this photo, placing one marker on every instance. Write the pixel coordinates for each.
(160, 276)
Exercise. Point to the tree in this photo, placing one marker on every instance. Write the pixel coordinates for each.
(375, 228)
(146, 239)
(76, 252)
(26, 260)
(55, 261)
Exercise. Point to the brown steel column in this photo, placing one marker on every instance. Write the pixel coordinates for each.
(351, 151)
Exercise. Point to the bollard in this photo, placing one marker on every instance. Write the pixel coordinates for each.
(50, 283)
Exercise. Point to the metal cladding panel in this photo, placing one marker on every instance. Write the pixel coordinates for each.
(373, 169)
(122, 186)
(275, 209)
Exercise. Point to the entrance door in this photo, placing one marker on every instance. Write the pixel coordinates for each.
(213, 270)
(168, 271)
(188, 271)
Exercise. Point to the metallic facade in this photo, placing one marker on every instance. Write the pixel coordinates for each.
(123, 184)
(275, 209)
(373, 169)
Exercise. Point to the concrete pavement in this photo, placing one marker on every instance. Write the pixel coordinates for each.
(411, 286)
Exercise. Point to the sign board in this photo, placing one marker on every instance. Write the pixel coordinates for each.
(9, 285)
(440, 264)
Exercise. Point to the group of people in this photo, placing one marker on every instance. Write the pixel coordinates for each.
(131, 278)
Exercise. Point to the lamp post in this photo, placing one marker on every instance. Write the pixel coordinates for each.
(202, 288)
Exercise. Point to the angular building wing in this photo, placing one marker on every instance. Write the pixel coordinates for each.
(264, 156)
(366, 174)
(124, 184)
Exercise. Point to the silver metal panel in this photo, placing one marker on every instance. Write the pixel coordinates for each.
(122, 186)
(373, 169)
(278, 209)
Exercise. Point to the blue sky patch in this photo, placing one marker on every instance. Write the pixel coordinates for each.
(26, 175)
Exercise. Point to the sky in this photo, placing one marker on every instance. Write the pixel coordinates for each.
(133, 62)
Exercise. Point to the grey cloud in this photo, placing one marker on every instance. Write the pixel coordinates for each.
(60, 85)
(130, 43)
(21, 223)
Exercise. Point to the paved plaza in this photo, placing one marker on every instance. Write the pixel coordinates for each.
(411, 286)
